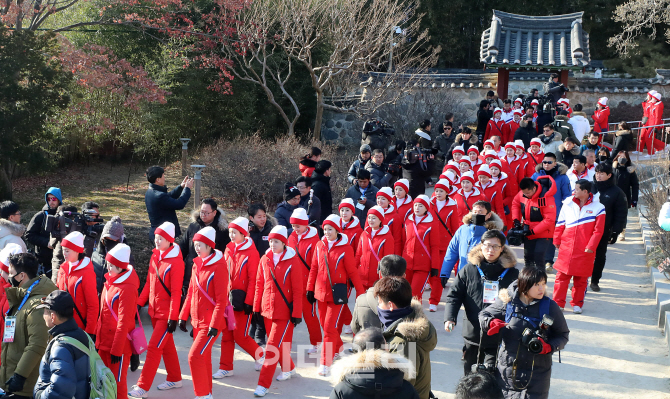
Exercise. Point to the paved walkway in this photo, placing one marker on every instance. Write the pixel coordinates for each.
(615, 348)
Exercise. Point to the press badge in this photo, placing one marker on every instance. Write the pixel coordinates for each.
(360, 206)
(10, 329)
(490, 291)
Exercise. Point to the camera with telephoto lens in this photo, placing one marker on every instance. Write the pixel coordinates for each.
(65, 222)
(531, 339)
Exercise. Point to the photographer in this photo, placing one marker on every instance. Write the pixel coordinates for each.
(161, 205)
(534, 214)
(379, 174)
(524, 360)
(94, 223)
(419, 164)
(36, 232)
(57, 233)
(554, 89)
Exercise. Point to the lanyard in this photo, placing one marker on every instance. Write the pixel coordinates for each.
(25, 298)
(484, 278)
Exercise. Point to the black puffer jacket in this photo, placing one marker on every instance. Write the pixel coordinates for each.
(511, 348)
(466, 144)
(379, 175)
(623, 140)
(468, 291)
(526, 132)
(626, 180)
(260, 237)
(616, 205)
(443, 144)
(321, 187)
(36, 235)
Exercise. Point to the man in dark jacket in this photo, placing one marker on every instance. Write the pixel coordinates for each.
(616, 215)
(484, 114)
(36, 233)
(359, 163)
(444, 141)
(321, 187)
(161, 205)
(373, 372)
(623, 139)
(364, 195)
(495, 261)
(64, 371)
(379, 175)
(285, 209)
(465, 139)
(308, 201)
(554, 89)
(526, 131)
(568, 151)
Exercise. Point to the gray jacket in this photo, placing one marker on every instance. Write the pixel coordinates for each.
(379, 175)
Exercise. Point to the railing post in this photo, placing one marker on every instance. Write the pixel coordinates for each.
(184, 155)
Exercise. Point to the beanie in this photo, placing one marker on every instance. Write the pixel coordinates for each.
(443, 184)
(241, 224)
(386, 193)
(534, 102)
(74, 241)
(536, 141)
(322, 166)
(9, 250)
(365, 148)
(490, 154)
(423, 200)
(334, 221)
(166, 230)
(299, 216)
(519, 144)
(278, 233)
(490, 142)
(465, 160)
(518, 100)
(290, 191)
(495, 163)
(113, 229)
(453, 168)
(473, 149)
(484, 171)
(377, 211)
(657, 95)
(518, 112)
(458, 150)
(347, 203)
(603, 101)
(403, 183)
(510, 145)
(206, 235)
(469, 176)
(497, 111)
(119, 256)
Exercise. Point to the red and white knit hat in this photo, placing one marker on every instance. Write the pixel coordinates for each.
(444, 184)
(385, 192)
(119, 256)
(347, 203)
(299, 217)
(603, 101)
(469, 176)
(377, 211)
(535, 102)
(536, 141)
(279, 233)
(484, 171)
(495, 163)
(651, 92)
(465, 160)
(497, 110)
(490, 142)
(458, 150)
(510, 145)
(518, 100)
(473, 149)
(451, 176)
(206, 235)
(241, 224)
(518, 112)
(334, 221)
(73, 241)
(657, 95)
(490, 154)
(423, 200)
(404, 183)
(9, 250)
(564, 101)
(166, 230)
(452, 167)
(519, 144)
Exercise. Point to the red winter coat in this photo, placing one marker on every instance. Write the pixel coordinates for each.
(342, 266)
(4, 306)
(476, 165)
(426, 231)
(601, 119)
(527, 163)
(242, 262)
(461, 202)
(305, 246)
(382, 244)
(405, 208)
(508, 131)
(449, 215)
(164, 305)
(494, 128)
(213, 279)
(119, 293)
(509, 188)
(353, 231)
(306, 167)
(395, 223)
(538, 212)
(539, 157)
(494, 195)
(515, 168)
(268, 300)
(80, 282)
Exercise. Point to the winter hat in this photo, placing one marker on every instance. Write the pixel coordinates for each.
(510, 145)
(365, 148)
(347, 203)
(491, 153)
(536, 141)
(9, 250)
(473, 149)
(465, 160)
(322, 166)
(404, 183)
(458, 149)
(334, 221)
(518, 100)
(206, 235)
(444, 184)
(242, 225)
(119, 256)
(166, 230)
(603, 101)
(73, 241)
(495, 163)
(518, 112)
(563, 101)
(299, 217)
(385, 192)
(484, 171)
(290, 191)
(278, 233)
(113, 229)
(377, 211)
(453, 168)
(451, 176)
(55, 191)
(497, 110)
(423, 200)
(651, 92)
(490, 142)
(657, 95)
(519, 144)
(534, 102)
(469, 176)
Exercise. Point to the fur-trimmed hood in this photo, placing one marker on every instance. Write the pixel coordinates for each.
(8, 227)
(222, 222)
(417, 328)
(574, 151)
(620, 133)
(365, 361)
(578, 113)
(507, 258)
(473, 138)
(562, 169)
(494, 222)
(524, 123)
(629, 168)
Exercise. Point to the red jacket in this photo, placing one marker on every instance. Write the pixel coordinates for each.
(527, 163)
(353, 231)
(212, 277)
(405, 208)
(395, 223)
(4, 306)
(242, 265)
(119, 293)
(509, 188)
(601, 119)
(655, 114)
(305, 246)
(494, 128)
(476, 165)
(342, 266)
(539, 157)
(268, 300)
(426, 230)
(515, 168)
(383, 243)
(164, 305)
(494, 195)
(449, 215)
(538, 212)
(463, 209)
(306, 167)
(508, 131)
(80, 282)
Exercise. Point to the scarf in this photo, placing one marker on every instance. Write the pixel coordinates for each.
(388, 317)
(547, 139)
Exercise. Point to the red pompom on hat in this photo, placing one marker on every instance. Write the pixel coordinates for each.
(385, 192)
(469, 176)
(423, 200)
(484, 170)
(299, 217)
(377, 211)
(444, 184)
(334, 221)
(404, 183)
(279, 233)
(242, 225)
(166, 230)
(73, 241)
(119, 256)
(206, 235)
(347, 203)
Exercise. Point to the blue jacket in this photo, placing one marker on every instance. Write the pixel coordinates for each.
(563, 188)
(161, 205)
(466, 238)
(64, 370)
(283, 216)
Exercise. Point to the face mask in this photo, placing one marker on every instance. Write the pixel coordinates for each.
(603, 157)
(479, 219)
(14, 282)
(622, 160)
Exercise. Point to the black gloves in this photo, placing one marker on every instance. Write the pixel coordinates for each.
(517, 224)
(182, 325)
(115, 359)
(634, 204)
(15, 383)
(172, 326)
(296, 321)
(310, 297)
(507, 211)
(248, 309)
(444, 281)
(434, 272)
(134, 362)
(613, 238)
(527, 231)
(258, 317)
(213, 332)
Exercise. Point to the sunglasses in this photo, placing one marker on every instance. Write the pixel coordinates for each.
(547, 162)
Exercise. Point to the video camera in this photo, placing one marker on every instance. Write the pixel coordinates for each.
(516, 234)
(531, 339)
(377, 126)
(412, 155)
(65, 222)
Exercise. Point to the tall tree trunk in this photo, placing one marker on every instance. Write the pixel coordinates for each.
(319, 115)
(5, 184)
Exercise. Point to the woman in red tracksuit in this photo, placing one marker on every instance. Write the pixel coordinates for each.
(206, 301)
(165, 277)
(376, 242)
(77, 277)
(279, 296)
(242, 260)
(402, 200)
(526, 162)
(352, 228)
(445, 211)
(490, 190)
(333, 256)
(303, 240)
(391, 217)
(118, 307)
(422, 246)
(508, 187)
(467, 195)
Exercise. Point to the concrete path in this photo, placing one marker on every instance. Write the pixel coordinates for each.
(615, 348)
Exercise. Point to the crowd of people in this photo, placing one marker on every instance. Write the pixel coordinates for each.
(525, 176)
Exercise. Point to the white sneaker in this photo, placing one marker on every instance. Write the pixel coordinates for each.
(323, 371)
(426, 287)
(260, 391)
(285, 375)
(576, 310)
(138, 392)
(223, 374)
(209, 396)
(258, 364)
(347, 329)
(432, 308)
(169, 385)
(314, 348)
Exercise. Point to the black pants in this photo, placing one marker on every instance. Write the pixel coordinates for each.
(486, 356)
(417, 187)
(534, 251)
(601, 257)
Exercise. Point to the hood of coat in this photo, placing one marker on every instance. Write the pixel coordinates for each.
(562, 169)
(574, 151)
(42, 289)
(494, 222)
(415, 327)
(473, 138)
(561, 118)
(620, 133)
(507, 258)
(630, 168)
(219, 220)
(525, 124)
(364, 361)
(7, 227)
(308, 163)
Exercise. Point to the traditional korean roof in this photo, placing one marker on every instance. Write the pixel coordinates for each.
(537, 42)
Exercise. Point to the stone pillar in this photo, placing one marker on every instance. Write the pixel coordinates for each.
(196, 187)
(184, 155)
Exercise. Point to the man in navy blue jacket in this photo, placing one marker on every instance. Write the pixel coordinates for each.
(161, 205)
